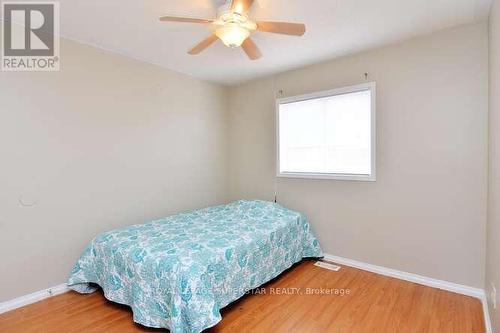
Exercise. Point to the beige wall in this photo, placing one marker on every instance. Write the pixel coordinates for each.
(426, 213)
(493, 229)
(105, 142)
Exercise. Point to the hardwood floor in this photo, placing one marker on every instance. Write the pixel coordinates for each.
(374, 303)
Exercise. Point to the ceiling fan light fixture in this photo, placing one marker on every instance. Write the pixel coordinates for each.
(232, 34)
(233, 27)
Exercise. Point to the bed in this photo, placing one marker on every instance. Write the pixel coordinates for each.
(180, 271)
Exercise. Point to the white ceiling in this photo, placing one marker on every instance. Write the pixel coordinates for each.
(334, 28)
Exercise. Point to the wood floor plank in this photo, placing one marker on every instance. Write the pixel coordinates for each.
(374, 303)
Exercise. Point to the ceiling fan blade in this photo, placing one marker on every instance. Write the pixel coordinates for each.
(251, 49)
(184, 19)
(241, 6)
(285, 28)
(203, 45)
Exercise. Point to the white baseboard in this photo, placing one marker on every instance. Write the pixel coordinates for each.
(33, 297)
(487, 320)
(423, 280)
(426, 281)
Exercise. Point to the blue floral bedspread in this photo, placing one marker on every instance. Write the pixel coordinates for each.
(179, 271)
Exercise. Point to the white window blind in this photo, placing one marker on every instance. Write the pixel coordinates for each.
(328, 134)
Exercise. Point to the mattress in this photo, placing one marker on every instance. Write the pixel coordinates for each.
(178, 272)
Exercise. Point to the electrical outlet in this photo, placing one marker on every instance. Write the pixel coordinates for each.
(493, 296)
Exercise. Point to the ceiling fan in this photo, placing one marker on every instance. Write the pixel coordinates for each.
(233, 27)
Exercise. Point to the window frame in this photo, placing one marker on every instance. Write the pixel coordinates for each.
(369, 86)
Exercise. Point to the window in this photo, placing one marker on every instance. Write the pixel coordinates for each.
(328, 135)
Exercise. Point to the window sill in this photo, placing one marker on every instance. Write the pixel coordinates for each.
(327, 176)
